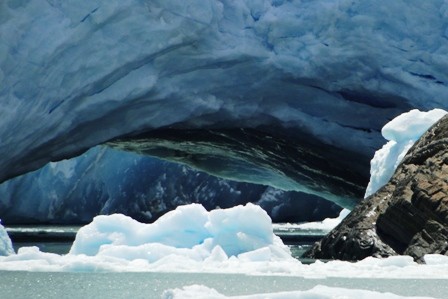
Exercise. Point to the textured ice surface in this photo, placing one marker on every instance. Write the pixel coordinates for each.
(401, 132)
(242, 231)
(318, 292)
(76, 74)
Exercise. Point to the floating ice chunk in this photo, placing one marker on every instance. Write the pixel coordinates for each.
(318, 292)
(181, 228)
(5, 242)
(188, 231)
(402, 132)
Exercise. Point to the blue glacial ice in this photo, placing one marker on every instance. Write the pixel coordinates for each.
(188, 230)
(329, 72)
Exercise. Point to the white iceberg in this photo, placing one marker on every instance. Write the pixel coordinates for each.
(187, 231)
(401, 132)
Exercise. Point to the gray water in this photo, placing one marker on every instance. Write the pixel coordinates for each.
(18, 285)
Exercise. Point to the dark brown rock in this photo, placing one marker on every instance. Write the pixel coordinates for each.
(409, 215)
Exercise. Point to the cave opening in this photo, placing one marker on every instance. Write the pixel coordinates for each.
(147, 174)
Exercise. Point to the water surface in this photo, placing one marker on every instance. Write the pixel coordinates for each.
(15, 285)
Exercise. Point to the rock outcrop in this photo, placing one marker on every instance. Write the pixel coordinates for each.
(409, 215)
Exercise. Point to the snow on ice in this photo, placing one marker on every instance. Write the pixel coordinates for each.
(401, 132)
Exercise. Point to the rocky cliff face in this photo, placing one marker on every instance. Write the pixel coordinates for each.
(409, 215)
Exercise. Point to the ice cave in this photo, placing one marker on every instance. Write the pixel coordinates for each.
(265, 91)
(289, 104)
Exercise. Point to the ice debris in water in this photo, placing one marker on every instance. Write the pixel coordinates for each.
(191, 239)
(241, 231)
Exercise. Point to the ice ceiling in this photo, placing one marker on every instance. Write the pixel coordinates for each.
(288, 93)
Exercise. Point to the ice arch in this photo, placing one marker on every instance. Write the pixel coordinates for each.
(317, 77)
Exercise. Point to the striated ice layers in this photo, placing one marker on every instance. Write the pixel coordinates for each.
(401, 132)
(325, 73)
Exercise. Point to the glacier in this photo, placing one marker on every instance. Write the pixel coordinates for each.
(263, 87)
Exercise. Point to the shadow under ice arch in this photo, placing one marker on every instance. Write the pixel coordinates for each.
(256, 156)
